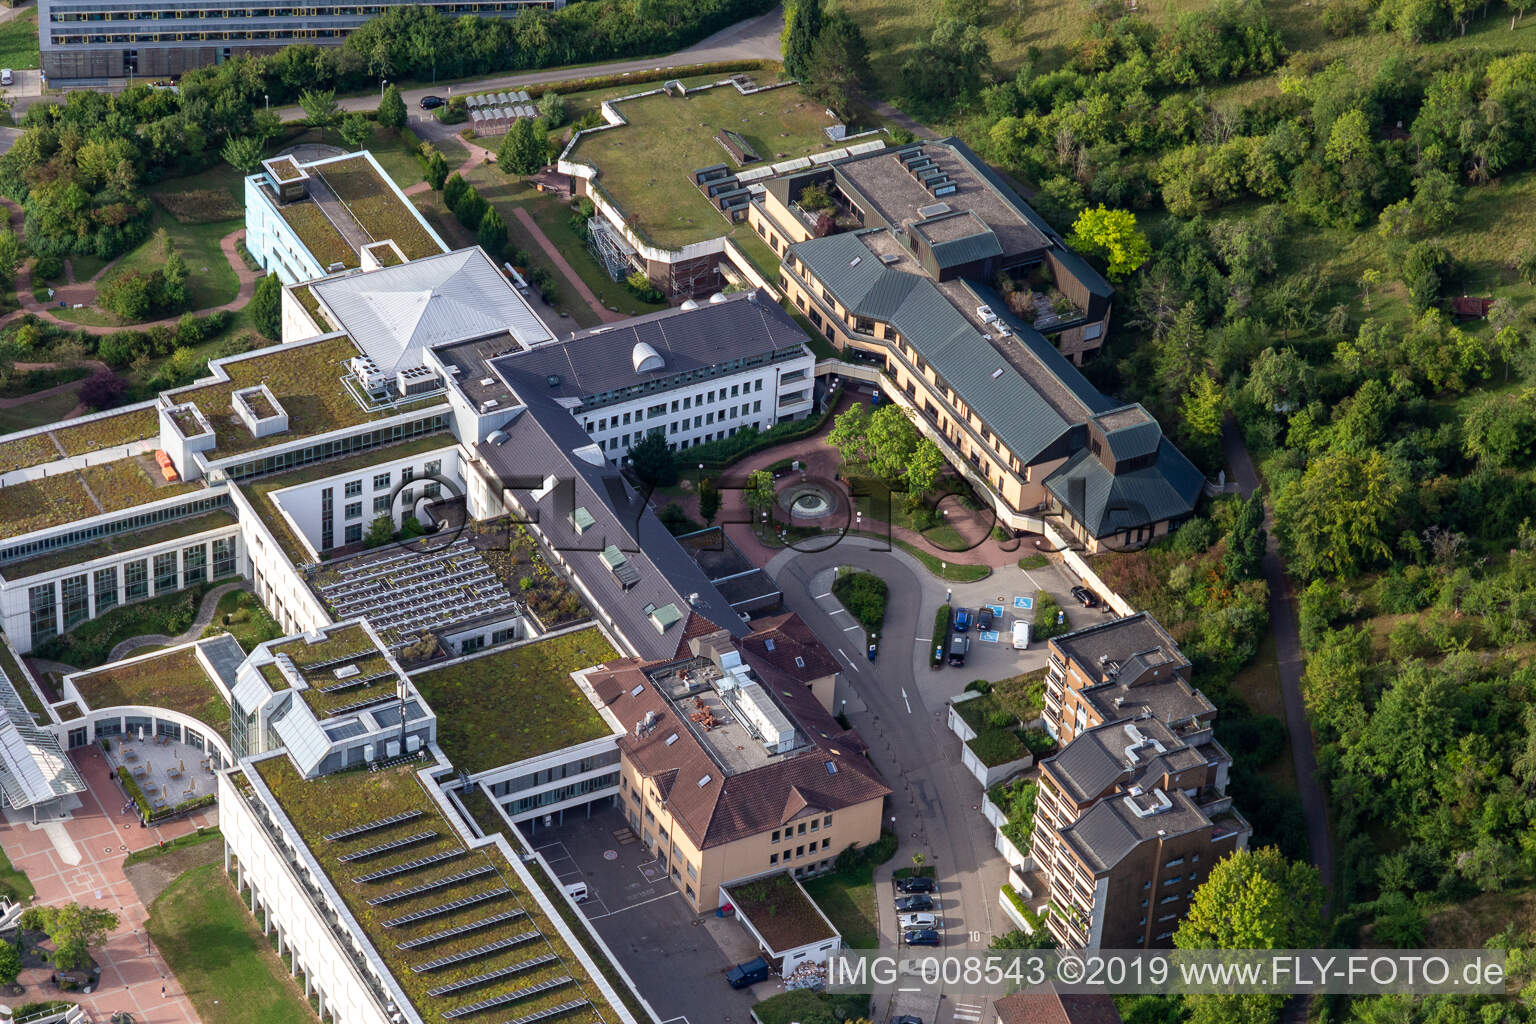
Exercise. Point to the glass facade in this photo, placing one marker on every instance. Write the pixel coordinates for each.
(77, 600)
(136, 580)
(127, 524)
(339, 446)
(194, 564)
(166, 576)
(106, 590)
(43, 612)
(327, 510)
(223, 557)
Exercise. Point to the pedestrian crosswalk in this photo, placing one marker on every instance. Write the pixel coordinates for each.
(969, 1013)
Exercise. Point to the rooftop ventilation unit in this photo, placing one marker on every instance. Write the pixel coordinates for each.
(932, 210)
(889, 258)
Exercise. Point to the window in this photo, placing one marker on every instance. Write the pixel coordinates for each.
(471, 644)
(757, 406)
(381, 504)
(41, 605)
(433, 468)
(407, 474)
(354, 488)
(408, 497)
(775, 837)
(773, 858)
(502, 636)
(354, 533)
(223, 557)
(327, 509)
(759, 384)
(801, 829)
(826, 843)
(194, 564)
(826, 822)
(165, 573)
(800, 851)
(381, 481)
(106, 589)
(354, 510)
(136, 580)
(77, 601)
(735, 390)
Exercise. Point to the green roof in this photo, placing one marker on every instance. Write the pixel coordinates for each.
(175, 680)
(516, 703)
(116, 544)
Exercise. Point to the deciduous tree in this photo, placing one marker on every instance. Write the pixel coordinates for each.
(1112, 235)
(320, 107)
(355, 130)
(392, 109)
(267, 307)
(72, 928)
(243, 153)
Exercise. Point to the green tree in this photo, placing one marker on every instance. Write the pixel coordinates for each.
(1278, 379)
(951, 64)
(355, 131)
(1500, 429)
(1201, 412)
(381, 531)
(552, 109)
(320, 107)
(1425, 265)
(1334, 684)
(10, 963)
(453, 190)
(923, 468)
(850, 433)
(892, 441)
(242, 152)
(839, 62)
(436, 169)
(392, 109)
(129, 293)
(1112, 235)
(267, 307)
(759, 492)
(471, 208)
(709, 501)
(802, 26)
(173, 281)
(1337, 517)
(523, 150)
(652, 461)
(72, 928)
(492, 233)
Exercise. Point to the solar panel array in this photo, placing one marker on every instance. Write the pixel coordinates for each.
(372, 826)
(464, 929)
(553, 1011)
(419, 591)
(408, 866)
(393, 844)
(417, 890)
(472, 954)
(506, 997)
(496, 975)
(447, 908)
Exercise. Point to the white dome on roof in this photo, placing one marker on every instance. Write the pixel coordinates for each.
(717, 297)
(646, 359)
(689, 304)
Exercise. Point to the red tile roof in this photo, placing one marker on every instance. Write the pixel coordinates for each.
(1053, 1008)
(780, 639)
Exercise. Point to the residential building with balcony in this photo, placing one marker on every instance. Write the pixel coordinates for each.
(1132, 813)
(902, 275)
(90, 41)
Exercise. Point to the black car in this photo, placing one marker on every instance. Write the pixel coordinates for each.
(984, 619)
(1085, 597)
(921, 937)
(907, 904)
(906, 1018)
(959, 647)
(915, 883)
(432, 102)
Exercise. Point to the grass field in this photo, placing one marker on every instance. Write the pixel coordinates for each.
(18, 42)
(211, 281)
(848, 899)
(644, 165)
(15, 881)
(38, 411)
(226, 967)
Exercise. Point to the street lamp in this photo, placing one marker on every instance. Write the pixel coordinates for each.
(382, 84)
(268, 100)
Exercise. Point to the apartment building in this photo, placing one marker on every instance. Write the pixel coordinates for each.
(1132, 813)
(730, 770)
(902, 272)
(83, 41)
(694, 374)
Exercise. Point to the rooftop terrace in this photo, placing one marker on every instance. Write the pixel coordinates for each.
(720, 724)
(644, 166)
(175, 680)
(516, 703)
(372, 202)
(456, 928)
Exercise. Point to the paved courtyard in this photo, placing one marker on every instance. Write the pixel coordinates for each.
(78, 857)
(167, 771)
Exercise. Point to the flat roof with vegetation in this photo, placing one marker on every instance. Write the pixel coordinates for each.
(517, 703)
(522, 958)
(781, 911)
(67, 497)
(376, 207)
(645, 166)
(76, 437)
(175, 681)
(348, 645)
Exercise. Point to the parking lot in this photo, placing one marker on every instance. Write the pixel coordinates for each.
(676, 958)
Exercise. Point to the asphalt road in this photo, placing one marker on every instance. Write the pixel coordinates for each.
(753, 39)
(936, 803)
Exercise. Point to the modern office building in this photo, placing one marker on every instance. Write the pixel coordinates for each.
(92, 41)
(1132, 813)
(906, 272)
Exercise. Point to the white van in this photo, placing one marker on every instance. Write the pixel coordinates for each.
(6, 77)
(577, 891)
(1021, 636)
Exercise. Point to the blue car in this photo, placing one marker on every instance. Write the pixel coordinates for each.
(921, 937)
(962, 620)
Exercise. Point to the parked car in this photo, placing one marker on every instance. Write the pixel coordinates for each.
(959, 647)
(1085, 597)
(984, 619)
(906, 1018)
(749, 973)
(1021, 636)
(911, 921)
(962, 620)
(910, 904)
(915, 883)
(7, 77)
(432, 102)
(921, 937)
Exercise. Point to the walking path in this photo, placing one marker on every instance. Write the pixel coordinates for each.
(1283, 621)
(79, 859)
(530, 225)
(205, 613)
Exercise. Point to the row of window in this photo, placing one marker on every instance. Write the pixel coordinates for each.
(127, 524)
(621, 443)
(814, 825)
(683, 404)
(799, 851)
(368, 439)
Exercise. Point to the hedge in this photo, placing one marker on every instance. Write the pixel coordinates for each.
(940, 636)
(716, 455)
(571, 85)
(863, 594)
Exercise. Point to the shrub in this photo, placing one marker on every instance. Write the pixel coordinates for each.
(940, 635)
(864, 595)
(1046, 613)
(103, 391)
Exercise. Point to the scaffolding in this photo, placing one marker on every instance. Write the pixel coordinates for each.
(610, 248)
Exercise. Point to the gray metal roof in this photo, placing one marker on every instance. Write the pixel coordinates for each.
(224, 655)
(301, 733)
(601, 359)
(541, 443)
(1106, 503)
(395, 313)
(33, 766)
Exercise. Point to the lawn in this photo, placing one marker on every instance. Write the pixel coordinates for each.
(645, 165)
(89, 643)
(18, 42)
(15, 882)
(39, 412)
(223, 963)
(376, 208)
(175, 681)
(211, 281)
(847, 897)
(241, 614)
(527, 691)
